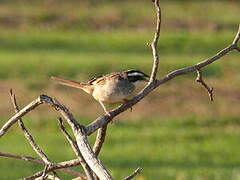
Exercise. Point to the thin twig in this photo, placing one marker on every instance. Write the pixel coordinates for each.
(154, 43)
(100, 138)
(200, 80)
(56, 166)
(26, 133)
(38, 161)
(76, 150)
(237, 37)
(135, 173)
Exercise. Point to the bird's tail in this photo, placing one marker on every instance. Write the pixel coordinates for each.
(71, 83)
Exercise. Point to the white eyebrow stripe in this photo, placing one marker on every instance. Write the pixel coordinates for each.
(135, 74)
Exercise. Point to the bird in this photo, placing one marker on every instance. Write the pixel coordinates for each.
(111, 88)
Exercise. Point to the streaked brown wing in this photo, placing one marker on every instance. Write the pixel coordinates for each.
(101, 80)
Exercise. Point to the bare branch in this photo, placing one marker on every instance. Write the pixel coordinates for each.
(200, 80)
(38, 161)
(76, 150)
(99, 140)
(154, 43)
(28, 136)
(135, 173)
(56, 166)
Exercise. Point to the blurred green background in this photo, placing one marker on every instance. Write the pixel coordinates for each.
(174, 133)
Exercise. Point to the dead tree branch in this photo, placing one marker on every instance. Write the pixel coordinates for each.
(56, 166)
(38, 161)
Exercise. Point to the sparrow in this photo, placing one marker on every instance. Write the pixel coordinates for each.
(110, 88)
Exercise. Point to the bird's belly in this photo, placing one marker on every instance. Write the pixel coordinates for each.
(106, 94)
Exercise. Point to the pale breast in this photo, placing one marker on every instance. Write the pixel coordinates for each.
(113, 90)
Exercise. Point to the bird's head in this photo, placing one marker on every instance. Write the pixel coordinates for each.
(136, 76)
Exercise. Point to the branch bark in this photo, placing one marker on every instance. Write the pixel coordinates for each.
(38, 161)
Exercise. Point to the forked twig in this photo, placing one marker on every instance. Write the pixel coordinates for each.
(200, 80)
(56, 166)
(38, 161)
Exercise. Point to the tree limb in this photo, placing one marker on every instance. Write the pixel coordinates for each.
(38, 161)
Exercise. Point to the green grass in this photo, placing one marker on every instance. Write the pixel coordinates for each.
(81, 54)
(81, 39)
(167, 148)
